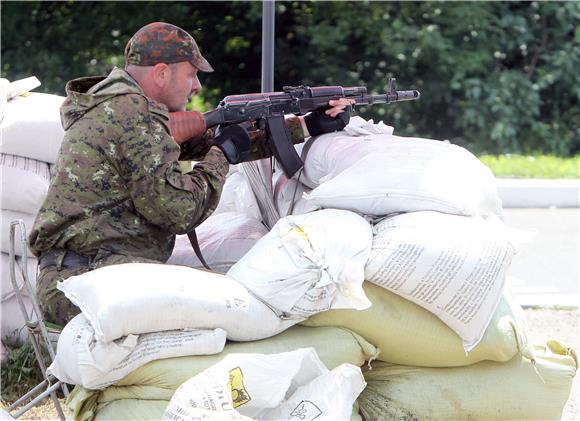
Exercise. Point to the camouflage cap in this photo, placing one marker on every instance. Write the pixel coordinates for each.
(161, 42)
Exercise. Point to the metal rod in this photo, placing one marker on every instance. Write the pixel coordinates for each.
(38, 399)
(264, 166)
(268, 18)
(27, 396)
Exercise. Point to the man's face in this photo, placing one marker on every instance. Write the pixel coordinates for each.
(184, 84)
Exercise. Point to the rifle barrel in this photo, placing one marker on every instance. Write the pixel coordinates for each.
(395, 96)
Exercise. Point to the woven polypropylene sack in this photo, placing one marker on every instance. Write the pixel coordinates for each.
(158, 380)
(31, 127)
(408, 334)
(135, 298)
(515, 390)
(382, 174)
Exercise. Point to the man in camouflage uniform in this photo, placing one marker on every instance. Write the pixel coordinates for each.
(118, 194)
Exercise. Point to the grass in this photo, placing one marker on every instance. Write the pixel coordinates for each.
(19, 373)
(540, 166)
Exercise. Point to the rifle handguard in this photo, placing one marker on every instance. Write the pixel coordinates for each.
(186, 125)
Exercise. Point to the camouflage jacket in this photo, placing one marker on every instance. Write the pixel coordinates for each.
(118, 188)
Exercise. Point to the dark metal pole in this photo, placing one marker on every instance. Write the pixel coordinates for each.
(268, 17)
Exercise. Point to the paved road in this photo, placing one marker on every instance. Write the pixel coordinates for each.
(547, 270)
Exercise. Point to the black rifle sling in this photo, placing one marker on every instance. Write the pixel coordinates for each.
(282, 145)
(195, 245)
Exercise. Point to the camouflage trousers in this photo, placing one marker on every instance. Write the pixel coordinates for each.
(54, 305)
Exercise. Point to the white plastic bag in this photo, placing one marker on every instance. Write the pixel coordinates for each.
(288, 385)
(288, 196)
(453, 266)
(309, 263)
(223, 240)
(134, 298)
(83, 360)
(237, 196)
(24, 183)
(383, 174)
(31, 127)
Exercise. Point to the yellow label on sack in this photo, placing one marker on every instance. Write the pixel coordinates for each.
(238, 391)
(298, 231)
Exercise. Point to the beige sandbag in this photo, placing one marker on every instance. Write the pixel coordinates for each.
(408, 334)
(159, 379)
(515, 390)
(140, 409)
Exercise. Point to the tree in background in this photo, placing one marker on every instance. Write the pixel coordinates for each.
(494, 76)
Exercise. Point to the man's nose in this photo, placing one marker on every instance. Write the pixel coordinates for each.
(196, 86)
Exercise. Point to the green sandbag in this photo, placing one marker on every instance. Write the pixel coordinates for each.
(515, 390)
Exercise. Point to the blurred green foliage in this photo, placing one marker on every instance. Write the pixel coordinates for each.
(529, 166)
(497, 77)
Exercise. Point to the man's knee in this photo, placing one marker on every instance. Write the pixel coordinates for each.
(53, 304)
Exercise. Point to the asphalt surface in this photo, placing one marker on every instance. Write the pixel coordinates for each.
(546, 271)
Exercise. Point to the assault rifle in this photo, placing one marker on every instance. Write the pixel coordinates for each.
(268, 110)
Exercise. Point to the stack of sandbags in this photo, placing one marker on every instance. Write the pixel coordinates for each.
(145, 393)
(135, 314)
(435, 277)
(30, 137)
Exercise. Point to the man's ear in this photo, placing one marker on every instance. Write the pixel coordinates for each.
(161, 73)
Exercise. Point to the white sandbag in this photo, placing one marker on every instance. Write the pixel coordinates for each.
(6, 217)
(288, 196)
(453, 266)
(237, 196)
(31, 127)
(384, 174)
(287, 385)
(81, 359)
(135, 298)
(25, 182)
(309, 263)
(223, 240)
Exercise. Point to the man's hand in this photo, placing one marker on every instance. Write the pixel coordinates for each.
(334, 118)
(234, 142)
